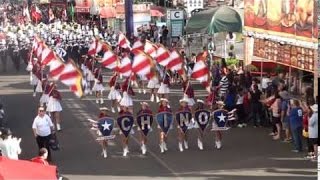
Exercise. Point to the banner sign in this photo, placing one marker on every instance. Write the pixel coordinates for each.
(144, 122)
(202, 117)
(105, 126)
(220, 119)
(164, 120)
(183, 119)
(125, 124)
(284, 18)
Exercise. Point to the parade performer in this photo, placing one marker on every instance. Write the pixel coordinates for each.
(54, 106)
(182, 136)
(90, 76)
(218, 134)
(164, 90)
(125, 140)
(188, 93)
(104, 143)
(200, 106)
(98, 87)
(35, 74)
(153, 85)
(44, 99)
(145, 109)
(114, 94)
(164, 107)
(127, 93)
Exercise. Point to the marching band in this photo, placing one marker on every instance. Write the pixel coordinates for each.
(73, 42)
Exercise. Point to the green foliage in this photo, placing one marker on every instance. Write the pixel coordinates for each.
(278, 69)
(251, 67)
(232, 61)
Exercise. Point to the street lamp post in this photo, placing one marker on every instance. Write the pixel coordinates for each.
(129, 17)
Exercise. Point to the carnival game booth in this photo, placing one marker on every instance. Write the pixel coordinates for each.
(275, 31)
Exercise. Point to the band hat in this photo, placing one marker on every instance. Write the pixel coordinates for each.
(220, 103)
(284, 95)
(183, 100)
(144, 103)
(314, 108)
(104, 109)
(164, 99)
(200, 101)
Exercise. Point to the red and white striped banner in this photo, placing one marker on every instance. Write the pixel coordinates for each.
(109, 60)
(176, 62)
(150, 49)
(68, 74)
(137, 45)
(95, 47)
(47, 55)
(163, 55)
(123, 42)
(142, 63)
(200, 72)
(125, 67)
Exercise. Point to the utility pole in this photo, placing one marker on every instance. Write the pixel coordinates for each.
(129, 17)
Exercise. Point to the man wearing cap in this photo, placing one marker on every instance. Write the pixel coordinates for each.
(42, 129)
(163, 107)
(145, 109)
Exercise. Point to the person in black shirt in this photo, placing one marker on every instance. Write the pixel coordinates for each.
(255, 95)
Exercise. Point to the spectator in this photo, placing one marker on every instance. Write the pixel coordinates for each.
(265, 81)
(284, 114)
(42, 157)
(42, 129)
(313, 131)
(9, 146)
(255, 96)
(295, 119)
(276, 122)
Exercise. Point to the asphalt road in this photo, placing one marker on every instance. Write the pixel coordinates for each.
(247, 153)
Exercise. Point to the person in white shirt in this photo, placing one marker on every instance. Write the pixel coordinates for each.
(9, 146)
(264, 83)
(42, 129)
(313, 130)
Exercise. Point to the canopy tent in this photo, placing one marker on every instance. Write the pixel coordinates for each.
(220, 19)
(21, 169)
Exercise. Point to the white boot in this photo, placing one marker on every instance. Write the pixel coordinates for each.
(97, 100)
(200, 145)
(161, 147)
(158, 99)
(218, 144)
(104, 153)
(185, 144)
(101, 101)
(144, 91)
(58, 127)
(90, 92)
(34, 94)
(125, 151)
(112, 110)
(144, 149)
(180, 147)
(119, 109)
(152, 98)
(165, 146)
(140, 91)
